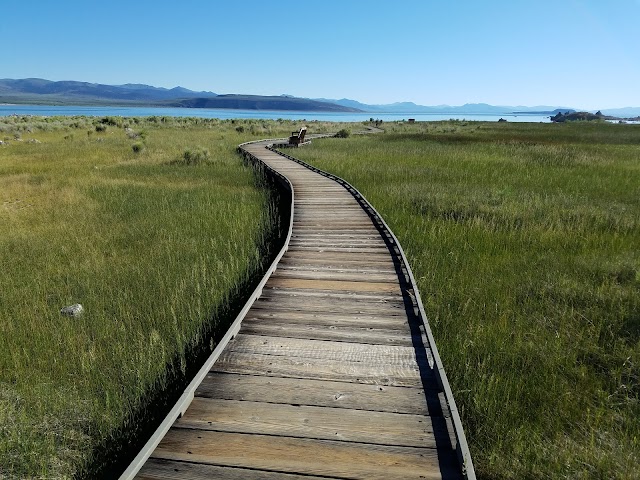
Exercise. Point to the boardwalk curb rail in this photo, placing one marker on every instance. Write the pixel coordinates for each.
(187, 397)
(462, 447)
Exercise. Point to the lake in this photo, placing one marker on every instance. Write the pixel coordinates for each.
(102, 111)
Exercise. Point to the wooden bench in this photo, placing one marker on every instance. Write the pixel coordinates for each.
(297, 138)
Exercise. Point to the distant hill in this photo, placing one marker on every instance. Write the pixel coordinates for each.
(46, 92)
(469, 108)
(37, 90)
(256, 102)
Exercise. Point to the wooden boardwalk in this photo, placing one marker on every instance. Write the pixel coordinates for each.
(330, 375)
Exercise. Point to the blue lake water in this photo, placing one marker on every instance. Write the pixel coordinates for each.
(45, 110)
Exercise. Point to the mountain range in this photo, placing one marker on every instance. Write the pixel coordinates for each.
(469, 108)
(46, 92)
(39, 91)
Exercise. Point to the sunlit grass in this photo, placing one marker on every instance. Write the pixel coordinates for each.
(525, 241)
(152, 248)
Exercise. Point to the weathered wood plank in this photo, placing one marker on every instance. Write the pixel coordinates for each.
(307, 456)
(335, 225)
(314, 260)
(380, 299)
(303, 421)
(310, 274)
(322, 369)
(338, 234)
(339, 285)
(302, 265)
(380, 355)
(361, 335)
(323, 305)
(319, 393)
(160, 469)
(328, 226)
(328, 249)
(380, 257)
(336, 242)
(328, 319)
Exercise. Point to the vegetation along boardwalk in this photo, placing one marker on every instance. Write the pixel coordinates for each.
(333, 372)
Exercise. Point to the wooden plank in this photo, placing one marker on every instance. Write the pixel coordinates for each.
(303, 421)
(362, 334)
(310, 274)
(343, 286)
(336, 240)
(335, 213)
(321, 305)
(328, 319)
(338, 297)
(319, 393)
(337, 247)
(367, 298)
(160, 469)
(306, 456)
(379, 257)
(334, 222)
(302, 265)
(378, 355)
(320, 300)
(350, 261)
(307, 226)
(322, 369)
(338, 234)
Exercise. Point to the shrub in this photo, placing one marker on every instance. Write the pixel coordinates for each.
(194, 156)
(101, 127)
(113, 121)
(344, 133)
(137, 147)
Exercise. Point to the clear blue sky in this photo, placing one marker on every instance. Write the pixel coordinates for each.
(575, 53)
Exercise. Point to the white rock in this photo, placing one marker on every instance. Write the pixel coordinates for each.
(74, 310)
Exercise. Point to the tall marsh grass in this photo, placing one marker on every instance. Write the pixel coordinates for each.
(153, 249)
(525, 242)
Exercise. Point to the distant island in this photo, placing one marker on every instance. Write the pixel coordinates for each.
(37, 91)
(588, 117)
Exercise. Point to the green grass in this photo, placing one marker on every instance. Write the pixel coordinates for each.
(525, 242)
(153, 246)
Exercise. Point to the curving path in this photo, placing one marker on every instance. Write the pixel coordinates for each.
(332, 372)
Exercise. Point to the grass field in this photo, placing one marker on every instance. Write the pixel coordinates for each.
(525, 242)
(152, 225)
